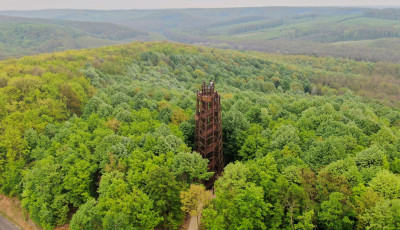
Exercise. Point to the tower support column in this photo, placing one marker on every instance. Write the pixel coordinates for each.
(208, 129)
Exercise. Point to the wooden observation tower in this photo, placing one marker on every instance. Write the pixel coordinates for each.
(208, 135)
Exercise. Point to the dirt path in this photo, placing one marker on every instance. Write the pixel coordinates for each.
(193, 223)
(193, 220)
(6, 224)
(11, 208)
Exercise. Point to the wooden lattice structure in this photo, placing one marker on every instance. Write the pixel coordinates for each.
(208, 136)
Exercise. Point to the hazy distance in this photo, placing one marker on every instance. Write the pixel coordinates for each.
(158, 4)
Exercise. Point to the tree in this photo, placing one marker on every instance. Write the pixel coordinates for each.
(328, 182)
(247, 209)
(212, 219)
(345, 169)
(124, 207)
(292, 201)
(372, 156)
(384, 215)
(235, 176)
(364, 198)
(336, 213)
(78, 177)
(166, 141)
(241, 202)
(255, 142)
(234, 124)
(10, 178)
(178, 116)
(43, 196)
(285, 135)
(296, 87)
(305, 221)
(386, 184)
(195, 200)
(72, 99)
(120, 98)
(254, 115)
(190, 167)
(133, 210)
(324, 152)
(161, 186)
(86, 218)
(188, 130)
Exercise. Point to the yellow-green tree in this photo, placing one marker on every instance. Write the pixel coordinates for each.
(194, 200)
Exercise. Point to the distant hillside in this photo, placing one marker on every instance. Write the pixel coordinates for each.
(357, 33)
(165, 20)
(25, 36)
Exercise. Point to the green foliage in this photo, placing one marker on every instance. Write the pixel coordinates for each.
(194, 200)
(385, 215)
(306, 221)
(336, 212)
(190, 167)
(162, 187)
(241, 200)
(86, 217)
(103, 139)
(243, 209)
(370, 157)
(285, 135)
(42, 195)
(124, 207)
(326, 151)
(27, 36)
(11, 178)
(387, 185)
(357, 33)
(248, 207)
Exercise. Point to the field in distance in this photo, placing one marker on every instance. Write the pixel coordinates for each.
(357, 33)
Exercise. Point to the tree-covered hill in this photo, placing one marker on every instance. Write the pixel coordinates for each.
(102, 139)
(27, 36)
(357, 33)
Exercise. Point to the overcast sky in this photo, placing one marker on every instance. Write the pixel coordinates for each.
(157, 4)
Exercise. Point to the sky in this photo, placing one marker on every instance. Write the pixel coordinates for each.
(158, 4)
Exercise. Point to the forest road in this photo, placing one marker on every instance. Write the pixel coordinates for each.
(6, 224)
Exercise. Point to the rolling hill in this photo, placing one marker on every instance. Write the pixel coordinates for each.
(26, 36)
(357, 33)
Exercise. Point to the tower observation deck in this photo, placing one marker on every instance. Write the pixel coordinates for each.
(208, 131)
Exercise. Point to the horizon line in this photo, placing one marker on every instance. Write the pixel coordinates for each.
(233, 7)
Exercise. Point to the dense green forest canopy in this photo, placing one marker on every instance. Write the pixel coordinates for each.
(103, 139)
(357, 33)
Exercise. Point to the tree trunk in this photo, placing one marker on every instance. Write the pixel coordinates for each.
(291, 217)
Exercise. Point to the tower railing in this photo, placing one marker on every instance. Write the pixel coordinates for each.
(208, 133)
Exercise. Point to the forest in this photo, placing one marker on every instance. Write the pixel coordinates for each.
(369, 34)
(21, 36)
(103, 139)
